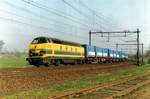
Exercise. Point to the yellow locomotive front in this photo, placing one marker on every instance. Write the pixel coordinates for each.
(47, 51)
(39, 49)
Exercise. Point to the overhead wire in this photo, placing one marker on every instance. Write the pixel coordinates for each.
(86, 38)
(37, 15)
(100, 18)
(33, 19)
(77, 9)
(30, 2)
(105, 19)
(35, 26)
(82, 13)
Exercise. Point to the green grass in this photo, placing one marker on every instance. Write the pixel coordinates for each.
(12, 61)
(48, 91)
(147, 60)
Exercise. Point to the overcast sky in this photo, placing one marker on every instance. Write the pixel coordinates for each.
(71, 20)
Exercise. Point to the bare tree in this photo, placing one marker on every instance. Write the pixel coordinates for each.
(1, 45)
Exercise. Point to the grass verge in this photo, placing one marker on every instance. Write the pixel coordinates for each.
(11, 61)
(48, 91)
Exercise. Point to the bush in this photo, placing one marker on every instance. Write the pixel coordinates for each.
(148, 61)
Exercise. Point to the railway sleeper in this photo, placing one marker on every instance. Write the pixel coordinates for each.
(112, 91)
(115, 88)
(103, 93)
(124, 86)
(133, 83)
(108, 91)
(129, 82)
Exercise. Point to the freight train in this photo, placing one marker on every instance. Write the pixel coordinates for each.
(51, 51)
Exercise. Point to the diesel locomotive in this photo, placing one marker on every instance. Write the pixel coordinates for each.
(52, 51)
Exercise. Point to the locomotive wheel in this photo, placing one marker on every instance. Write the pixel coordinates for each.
(75, 62)
(57, 62)
(100, 62)
(37, 65)
(80, 62)
(47, 63)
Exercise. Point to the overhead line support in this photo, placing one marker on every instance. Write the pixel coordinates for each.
(119, 32)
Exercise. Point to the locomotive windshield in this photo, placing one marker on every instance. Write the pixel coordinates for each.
(40, 40)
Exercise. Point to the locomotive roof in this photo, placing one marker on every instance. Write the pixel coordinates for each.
(59, 41)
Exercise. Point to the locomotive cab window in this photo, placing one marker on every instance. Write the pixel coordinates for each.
(50, 40)
(40, 40)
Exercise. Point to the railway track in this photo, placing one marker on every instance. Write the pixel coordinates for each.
(111, 90)
(35, 71)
